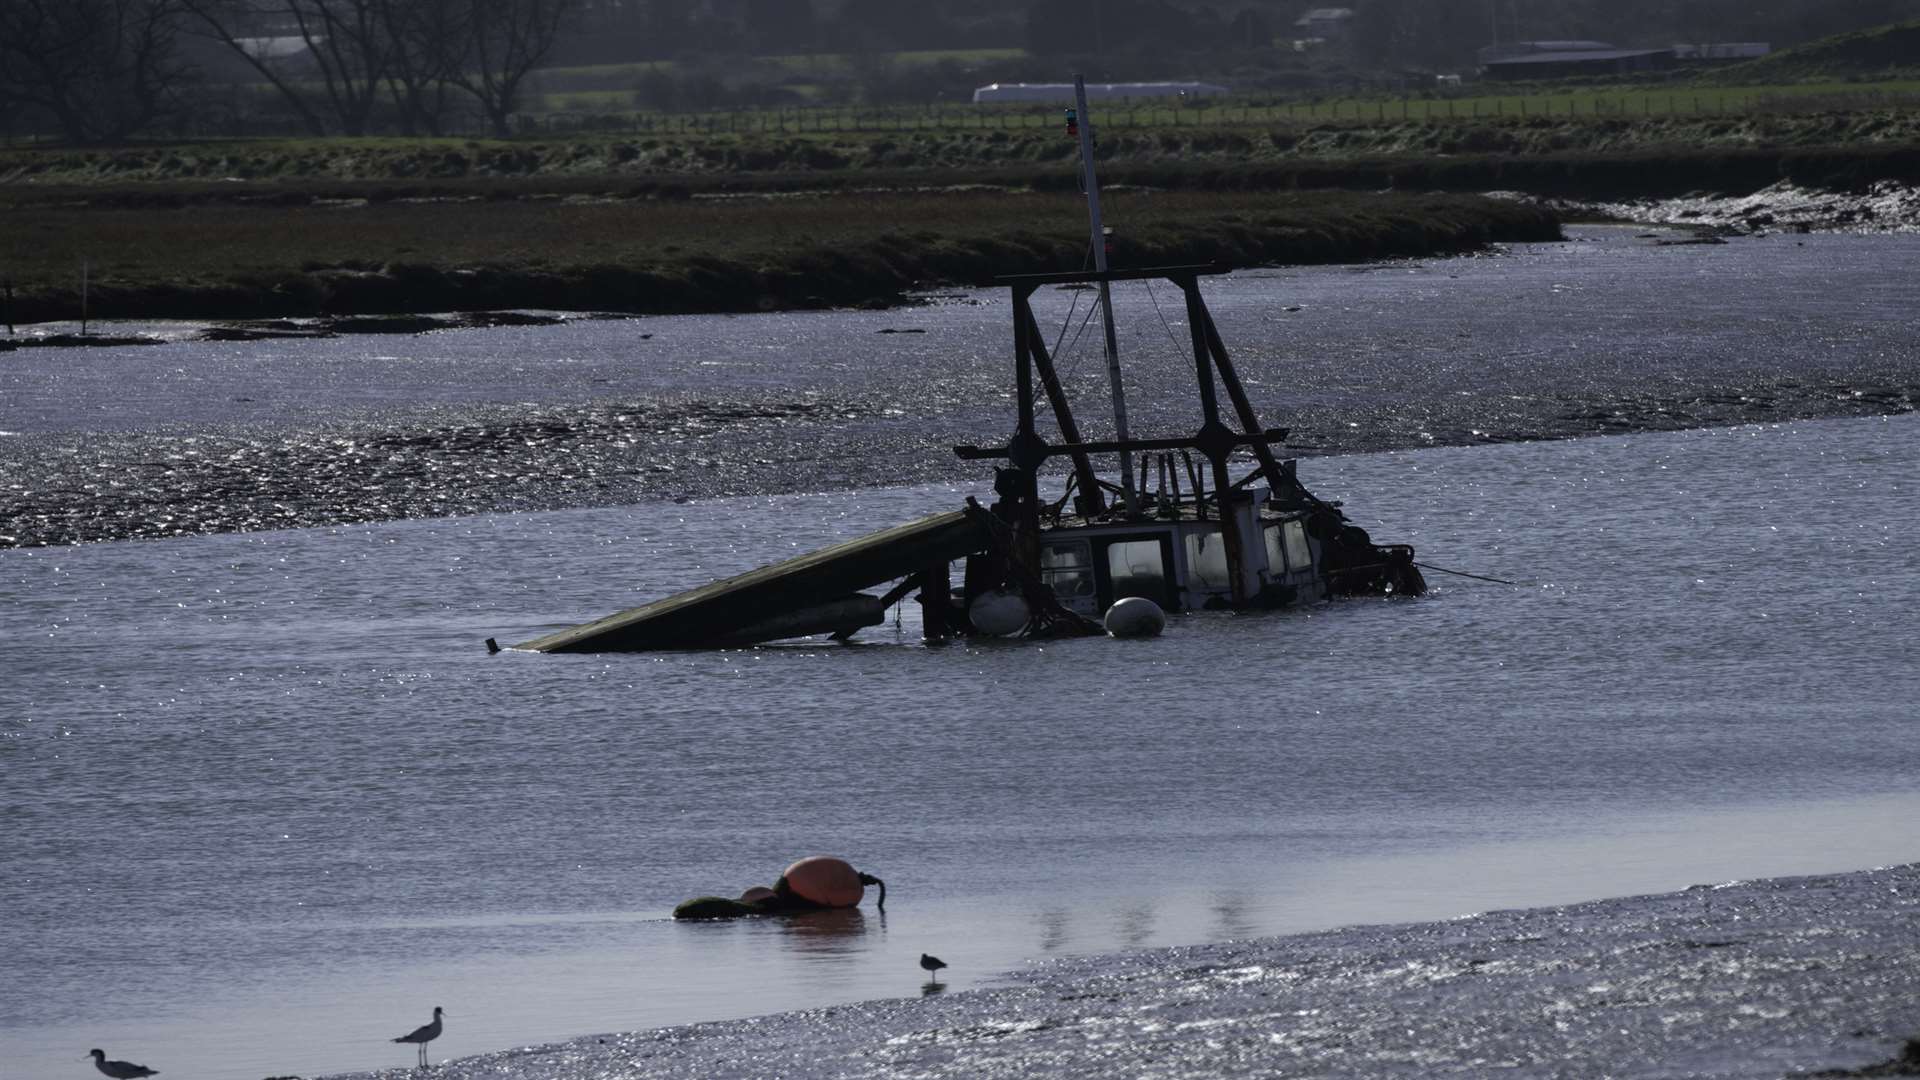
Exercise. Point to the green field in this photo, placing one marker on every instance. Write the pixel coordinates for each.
(1480, 103)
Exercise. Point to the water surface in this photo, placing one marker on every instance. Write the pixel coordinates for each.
(270, 800)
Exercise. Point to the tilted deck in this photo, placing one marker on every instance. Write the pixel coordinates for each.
(744, 609)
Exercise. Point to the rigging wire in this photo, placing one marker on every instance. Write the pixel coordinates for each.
(1163, 318)
(1074, 345)
(1085, 259)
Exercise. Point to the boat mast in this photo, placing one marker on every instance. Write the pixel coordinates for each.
(1092, 186)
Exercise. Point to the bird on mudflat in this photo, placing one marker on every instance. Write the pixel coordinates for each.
(120, 1070)
(932, 964)
(423, 1035)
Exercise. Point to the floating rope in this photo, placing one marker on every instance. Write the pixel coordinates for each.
(1462, 573)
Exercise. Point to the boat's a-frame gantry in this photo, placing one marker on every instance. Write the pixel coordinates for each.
(1216, 442)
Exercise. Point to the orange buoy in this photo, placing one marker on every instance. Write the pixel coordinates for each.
(826, 881)
(759, 894)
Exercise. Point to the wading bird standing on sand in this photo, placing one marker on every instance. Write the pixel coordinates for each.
(120, 1070)
(423, 1035)
(932, 964)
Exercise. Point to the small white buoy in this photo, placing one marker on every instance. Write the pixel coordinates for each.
(1135, 616)
(1000, 613)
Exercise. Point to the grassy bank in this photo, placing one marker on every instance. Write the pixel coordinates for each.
(700, 158)
(656, 256)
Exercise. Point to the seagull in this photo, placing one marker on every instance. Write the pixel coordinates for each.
(932, 964)
(120, 1070)
(419, 1036)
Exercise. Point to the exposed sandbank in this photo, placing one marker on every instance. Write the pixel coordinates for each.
(1812, 976)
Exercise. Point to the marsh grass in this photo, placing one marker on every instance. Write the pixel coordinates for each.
(211, 261)
(770, 159)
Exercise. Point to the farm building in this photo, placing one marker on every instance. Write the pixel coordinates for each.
(1062, 93)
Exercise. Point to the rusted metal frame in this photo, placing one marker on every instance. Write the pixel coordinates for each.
(1089, 502)
(1024, 332)
(1026, 439)
(938, 619)
(1069, 277)
(1276, 480)
(976, 453)
(1202, 357)
(1027, 451)
(899, 592)
(1216, 440)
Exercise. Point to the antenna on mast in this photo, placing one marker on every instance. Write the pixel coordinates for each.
(1083, 124)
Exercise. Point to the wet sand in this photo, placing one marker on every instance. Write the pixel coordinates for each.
(1793, 977)
(73, 488)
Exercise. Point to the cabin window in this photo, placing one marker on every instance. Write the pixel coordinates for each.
(1299, 555)
(1067, 569)
(1276, 550)
(1207, 561)
(1137, 568)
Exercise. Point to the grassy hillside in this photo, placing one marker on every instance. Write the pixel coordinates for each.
(1886, 52)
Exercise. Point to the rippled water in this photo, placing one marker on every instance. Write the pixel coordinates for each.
(1611, 311)
(1609, 332)
(269, 800)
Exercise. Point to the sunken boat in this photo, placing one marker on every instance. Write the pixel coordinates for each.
(1171, 525)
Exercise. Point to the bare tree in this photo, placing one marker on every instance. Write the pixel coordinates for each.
(508, 39)
(427, 38)
(346, 42)
(103, 69)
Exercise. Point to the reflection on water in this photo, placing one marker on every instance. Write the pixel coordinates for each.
(279, 777)
(1233, 916)
(830, 934)
(1055, 925)
(1133, 925)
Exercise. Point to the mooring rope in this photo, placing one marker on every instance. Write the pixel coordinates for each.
(1462, 573)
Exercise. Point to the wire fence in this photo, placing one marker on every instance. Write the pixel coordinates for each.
(1135, 114)
(561, 114)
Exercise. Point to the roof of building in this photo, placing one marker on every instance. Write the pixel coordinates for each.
(276, 48)
(1323, 15)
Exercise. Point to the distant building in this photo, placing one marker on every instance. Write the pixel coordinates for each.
(1726, 52)
(1324, 22)
(1063, 92)
(1525, 60)
(1321, 26)
(276, 48)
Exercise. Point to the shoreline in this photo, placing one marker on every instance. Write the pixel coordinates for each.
(1798, 976)
(649, 257)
